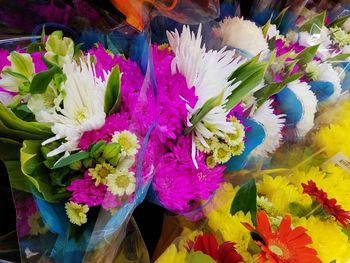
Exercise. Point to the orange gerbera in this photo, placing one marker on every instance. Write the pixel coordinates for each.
(285, 245)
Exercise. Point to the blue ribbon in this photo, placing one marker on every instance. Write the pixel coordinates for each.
(254, 137)
(322, 89)
(290, 105)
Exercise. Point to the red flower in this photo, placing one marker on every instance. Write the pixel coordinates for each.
(330, 205)
(207, 244)
(285, 245)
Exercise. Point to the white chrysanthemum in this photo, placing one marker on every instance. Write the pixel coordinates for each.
(243, 34)
(5, 98)
(273, 125)
(323, 39)
(346, 25)
(273, 32)
(128, 142)
(207, 71)
(83, 106)
(308, 101)
(121, 182)
(328, 73)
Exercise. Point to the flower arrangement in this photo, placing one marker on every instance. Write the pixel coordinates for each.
(70, 113)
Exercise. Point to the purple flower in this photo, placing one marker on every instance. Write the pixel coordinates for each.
(84, 191)
(178, 183)
(113, 123)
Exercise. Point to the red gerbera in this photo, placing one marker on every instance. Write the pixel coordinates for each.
(330, 205)
(285, 245)
(207, 244)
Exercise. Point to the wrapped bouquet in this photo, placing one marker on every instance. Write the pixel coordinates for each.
(78, 162)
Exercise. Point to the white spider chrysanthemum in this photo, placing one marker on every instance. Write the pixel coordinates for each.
(83, 106)
(308, 101)
(323, 39)
(273, 124)
(207, 71)
(328, 73)
(243, 34)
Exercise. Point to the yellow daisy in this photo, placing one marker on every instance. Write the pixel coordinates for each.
(128, 142)
(76, 213)
(100, 172)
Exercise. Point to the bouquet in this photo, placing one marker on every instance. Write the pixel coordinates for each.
(282, 197)
(77, 157)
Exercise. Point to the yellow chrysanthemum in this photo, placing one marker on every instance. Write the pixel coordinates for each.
(333, 139)
(128, 142)
(327, 238)
(231, 229)
(222, 153)
(172, 255)
(76, 213)
(222, 199)
(235, 138)
(237, 149)
(100, 172)
(327, 180)
(281, 192)
(36, 224)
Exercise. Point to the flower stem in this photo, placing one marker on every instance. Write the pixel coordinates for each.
(312, 212)
(309, 158)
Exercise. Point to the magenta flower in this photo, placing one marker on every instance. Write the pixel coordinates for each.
(178, 183)
(84, 191)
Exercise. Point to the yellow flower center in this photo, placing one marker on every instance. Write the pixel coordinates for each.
(122, 181)
(125, 143)
(80, 115)
(222, 153)
(103, 172)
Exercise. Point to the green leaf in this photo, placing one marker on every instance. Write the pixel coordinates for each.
(339, 22)
(279, 18)
(112, 95)
(265, 28)
(42, 38)
(242, 71)
(12, 149)
(263, 94)
(47, 62)
(35, 47)
(35, 130)
(23, 112)
(339, 58)
(203, 111)
(35, 171)
(307, 55)
(77, 49)
(17, 134)
(42, 80)
(198, 257)
(315, 24)
(245, 200)
(249, 80)
(71, 159)
(17, 179)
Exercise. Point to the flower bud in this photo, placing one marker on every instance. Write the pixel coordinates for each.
(88, 163)
(76, 166)
(97, 150)
(111, 151)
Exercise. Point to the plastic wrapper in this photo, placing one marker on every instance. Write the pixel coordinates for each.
(45, 228)
(284, 186)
